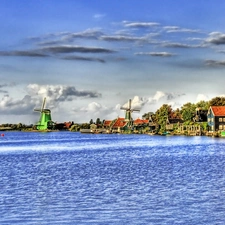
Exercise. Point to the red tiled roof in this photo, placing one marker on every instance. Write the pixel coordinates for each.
(67, 124)
(107, 122)
(218, 110)
(120, 122)
(140, 121)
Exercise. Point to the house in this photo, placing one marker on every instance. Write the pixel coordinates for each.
(63, 126)
(200, 115)
(68, 124)
(171, 123)
(139, 124)
(216, 118)
(153, 126)
(93, 127)
(115, 126)
(119, 124)
(107, 124)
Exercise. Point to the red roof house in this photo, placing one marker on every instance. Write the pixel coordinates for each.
(216, 118)
(118, 124)
(139, 122)
(107, 123)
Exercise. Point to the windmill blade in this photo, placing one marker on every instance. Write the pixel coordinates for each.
(129, 104)
(37, 110)
(43, 105)
(135, 110)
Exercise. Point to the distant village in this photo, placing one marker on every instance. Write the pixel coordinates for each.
(202, 118)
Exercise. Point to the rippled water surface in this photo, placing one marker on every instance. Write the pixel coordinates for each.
(73, 178)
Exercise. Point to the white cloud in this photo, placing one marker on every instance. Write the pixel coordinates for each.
(96, 110)
(140, 24)
(158, 95)
(161, 54)
(99, 16)
(93, 107)
(59, 93)
(10, 106)
(136, 103)
(202, 97)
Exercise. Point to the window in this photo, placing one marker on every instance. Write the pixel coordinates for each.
(210, 119)
(220, 127)
(220, 119)
(223, 119)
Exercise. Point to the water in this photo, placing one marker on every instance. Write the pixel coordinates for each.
(73, 178)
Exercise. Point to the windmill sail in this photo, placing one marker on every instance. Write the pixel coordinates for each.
(129, 110)
(42, 108)
(43, 105)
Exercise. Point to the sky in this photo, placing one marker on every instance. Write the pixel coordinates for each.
(89, 57)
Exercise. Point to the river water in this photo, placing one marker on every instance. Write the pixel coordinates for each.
(73, 178)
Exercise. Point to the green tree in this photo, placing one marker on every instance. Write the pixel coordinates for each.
(162, 114)
(91, 121)
(85, 126)
(203, 105)
(217, 101)
(98, 121)
(175, 114)
(188, 111)
(19, 126)
(14, 126)
(75, 127)
(147, 115)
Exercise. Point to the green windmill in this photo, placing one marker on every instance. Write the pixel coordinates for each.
(128, 111)
(45, 122)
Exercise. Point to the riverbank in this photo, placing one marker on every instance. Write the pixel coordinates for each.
(105, 131)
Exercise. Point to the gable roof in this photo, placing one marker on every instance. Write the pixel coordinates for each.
(107, 123)
(140, 121)
(218, 110)
(120, 122)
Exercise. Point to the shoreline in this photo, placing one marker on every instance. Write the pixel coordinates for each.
(89, 131)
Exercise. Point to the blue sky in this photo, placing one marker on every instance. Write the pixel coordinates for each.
(89, 57)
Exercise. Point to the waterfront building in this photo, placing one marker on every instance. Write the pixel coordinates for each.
(216, 118)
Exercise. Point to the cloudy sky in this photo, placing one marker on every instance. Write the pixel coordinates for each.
(89, 57)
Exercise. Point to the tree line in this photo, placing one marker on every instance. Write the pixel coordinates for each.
(187, 113)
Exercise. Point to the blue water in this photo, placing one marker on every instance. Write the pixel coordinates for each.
(73, 178)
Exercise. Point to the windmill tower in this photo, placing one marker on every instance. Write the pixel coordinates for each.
(128, 111)
(45, 122)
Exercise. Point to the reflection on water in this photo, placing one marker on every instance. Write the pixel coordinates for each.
(72, 178)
